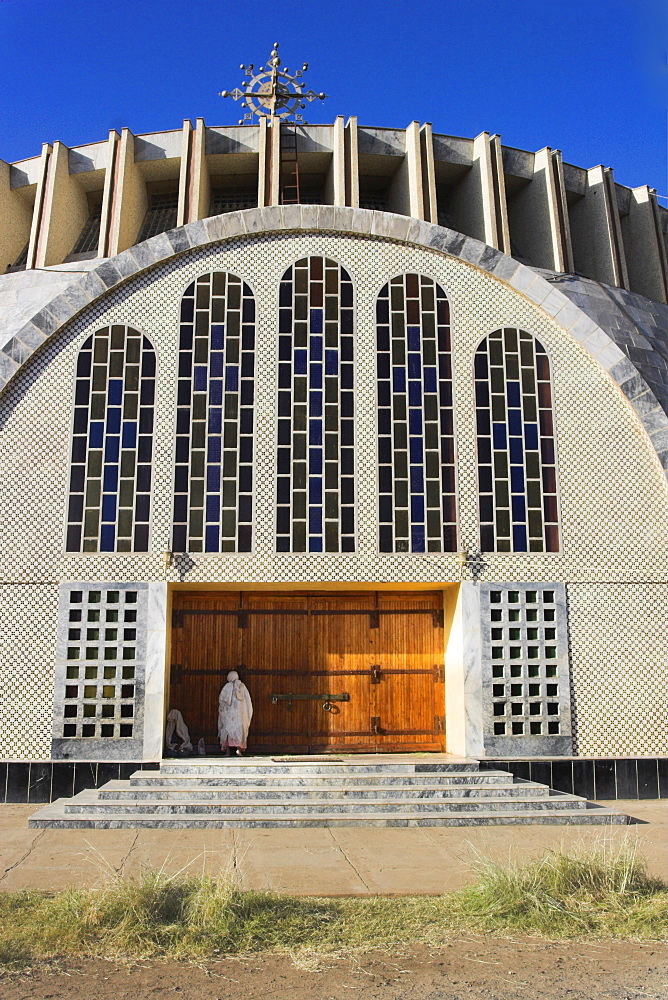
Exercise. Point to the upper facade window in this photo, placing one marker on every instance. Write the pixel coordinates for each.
(516, 457)
(417, 502)
(213, 484)
(316, 464)
(112, 445)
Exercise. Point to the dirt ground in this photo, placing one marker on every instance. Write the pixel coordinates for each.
(467, 967)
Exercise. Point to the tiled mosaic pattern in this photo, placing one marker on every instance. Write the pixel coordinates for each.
(525, 670)
(516, 454)
(112, 443)
(619, 667)
(613, 502)
(99, 670)
(315, 458)
(417, 503)
(213, 479)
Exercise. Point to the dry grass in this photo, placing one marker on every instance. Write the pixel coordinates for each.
(606, 894)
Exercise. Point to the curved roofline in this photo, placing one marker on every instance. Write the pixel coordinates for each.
(346, 221)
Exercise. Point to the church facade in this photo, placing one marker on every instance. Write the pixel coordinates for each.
(393, 447)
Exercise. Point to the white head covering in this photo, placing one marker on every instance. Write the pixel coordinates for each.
(233, 688)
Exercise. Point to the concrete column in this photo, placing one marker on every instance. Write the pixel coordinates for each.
(595, 230)
(108, 193)
(564, 227)
(263, 164)
(200, 191)
(463, 672)
(429, 201)
(533, 214)
(335, 187)
(65, 210)
(16, 216)
(472, 206)
(499, 195)
(185, 175)
(352, 166)
(643, 245)
(414, 172)
(38, 206)
(130, 201)
(274, 185)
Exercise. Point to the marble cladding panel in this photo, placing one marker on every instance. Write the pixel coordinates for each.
(100, 670)
(525, 670)
(605, 463)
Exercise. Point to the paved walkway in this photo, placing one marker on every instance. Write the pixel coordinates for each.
(338, 861)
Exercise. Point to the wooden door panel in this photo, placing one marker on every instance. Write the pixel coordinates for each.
(339, 661)
(408, 650)
(275, 656)
(205, 646)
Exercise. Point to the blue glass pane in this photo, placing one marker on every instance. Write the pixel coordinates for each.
(315, 375)
(499, 431)
(315, 461)
(200, 378)
(112, 449)
(399, 379)
(217, 337)
(531, 436)
(316, 321)
(515, 422)
(216, 364)
(109, 507)
(216, 393)
(213, 478)
(413, 338)
(315, 404)
(513, 390)
(215, 420)
(331, 362)
(110, 479)
(315, 431)
(430, 381)
(211, 538)
(414, 394)
(115, 393)
(181, 508)
(107, 537)
(417, 479)
(517, 479)
(519, 538)
(114, 420)
(213, 450)
(417, 538)
(414, 365)
(516, 451)
(96, 435)
(415, 447)
(415, 421)
(417, 508)
(213, 508)
(315, 496)
(300, 361)
(129, 433)
(315, 544)
(315, 347)
(518, 508)
(231, 378)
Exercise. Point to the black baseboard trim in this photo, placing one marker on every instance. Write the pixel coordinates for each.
(593, 777)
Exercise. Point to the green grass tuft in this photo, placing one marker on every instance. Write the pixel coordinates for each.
(603, 895)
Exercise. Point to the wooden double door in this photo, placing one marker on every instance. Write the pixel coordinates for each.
(326, 671)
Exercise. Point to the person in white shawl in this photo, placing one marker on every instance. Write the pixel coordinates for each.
(235, 710)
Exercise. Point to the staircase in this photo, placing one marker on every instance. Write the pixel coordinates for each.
(356, 790)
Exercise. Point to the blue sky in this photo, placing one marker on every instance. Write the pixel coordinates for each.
(584, 76)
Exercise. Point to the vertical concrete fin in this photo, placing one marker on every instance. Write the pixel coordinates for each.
(643, 246)
(263, 183)
(38, 206)
(335, 193)
(108, 193)
(563, 223)
(615, 227)
(414, 172)
(185, 174)
(200, 191)
(352, 168)
(274, 186)
(499, 195)
(65, 211)
(428, 174)
(130, 200)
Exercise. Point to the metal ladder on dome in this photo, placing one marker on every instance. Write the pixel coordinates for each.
(289, 167)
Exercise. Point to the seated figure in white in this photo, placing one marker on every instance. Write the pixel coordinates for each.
(235, 710)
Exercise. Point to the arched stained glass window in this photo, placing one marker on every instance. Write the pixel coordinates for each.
(213, 483)
(316, 464)
(417, 501)
(112, 444)
(517, 477)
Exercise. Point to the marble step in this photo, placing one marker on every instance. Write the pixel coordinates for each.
(89, 802)
(251, 766)
(119, 790)
(228, 779)
(53, 815)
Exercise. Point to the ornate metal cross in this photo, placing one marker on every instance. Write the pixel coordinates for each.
(273, 92)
